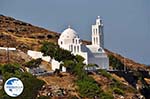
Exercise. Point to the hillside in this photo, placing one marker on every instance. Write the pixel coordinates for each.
(25, 36)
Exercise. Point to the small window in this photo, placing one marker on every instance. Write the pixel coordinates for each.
(72, 40)
(74, 48)
(100, 50)
(78, 48)
(61, 42)
(71, 48)
(96, 31)
(94, 40)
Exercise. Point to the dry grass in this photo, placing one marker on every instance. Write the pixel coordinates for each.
(66, 81)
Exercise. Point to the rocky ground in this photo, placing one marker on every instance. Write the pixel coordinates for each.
(24, 36)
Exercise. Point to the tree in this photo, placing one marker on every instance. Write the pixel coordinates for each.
(34, 63)
(115, 63)
(49, 49)
(79, 59)
(88, 89)
(62, 55)
(56, 52)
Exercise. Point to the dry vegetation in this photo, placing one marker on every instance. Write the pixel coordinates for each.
(24, 36)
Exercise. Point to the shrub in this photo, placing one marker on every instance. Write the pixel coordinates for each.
(34, 63)
(56, 52)
(105, 95)
(118, 91)
(104, 73)
(43, 97)
(49, 36)
(88, 88)
(115, 63)
(31, 83)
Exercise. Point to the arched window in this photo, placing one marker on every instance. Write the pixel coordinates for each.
(94, 40)
(76, 41)
(61, 42)
(74, 48)
(78, 48)
(96, 31)
(100, 50)
(79, 41)
(72, 40)
(71, 48)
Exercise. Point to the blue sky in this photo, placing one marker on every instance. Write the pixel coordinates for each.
(126, 22)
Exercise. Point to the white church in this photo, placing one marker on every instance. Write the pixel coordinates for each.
(93, 54)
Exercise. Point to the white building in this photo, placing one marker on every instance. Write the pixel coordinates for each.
(93, 54)
(36, 55)
(69, 40)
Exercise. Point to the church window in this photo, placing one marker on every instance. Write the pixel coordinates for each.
(76, 41)
(71, 48)
(61, 42)
(78, 48)
(72, 40)
(97, 40)
(100, 50)
(74, 48)
(94, 40)
(96, 31)
(80, 41)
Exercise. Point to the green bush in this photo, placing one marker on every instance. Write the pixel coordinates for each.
(115, 63)
(104, 73)
(56, 52)
(31, 83)
(88, 88)
(105, 95)
(49, 48)
(118, 91)
(43, 97)
(34, 63)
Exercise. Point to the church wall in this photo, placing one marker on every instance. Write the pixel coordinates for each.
(84, 55)
(103, 63)
(98, 54)
(56, 65)
(36, 55)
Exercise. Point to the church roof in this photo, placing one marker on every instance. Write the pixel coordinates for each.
(68, 33)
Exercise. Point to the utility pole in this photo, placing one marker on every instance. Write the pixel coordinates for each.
(7, 51)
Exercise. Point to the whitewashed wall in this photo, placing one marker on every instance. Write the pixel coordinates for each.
(56, 65)
(36, 55)
(5, 48)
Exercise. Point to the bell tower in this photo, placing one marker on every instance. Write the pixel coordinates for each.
(97, 33)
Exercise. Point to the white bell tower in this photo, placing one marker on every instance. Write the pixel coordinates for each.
(97, 33)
